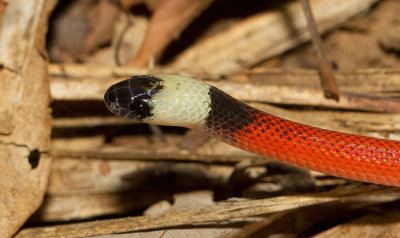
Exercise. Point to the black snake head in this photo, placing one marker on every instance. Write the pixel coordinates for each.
(131, 98)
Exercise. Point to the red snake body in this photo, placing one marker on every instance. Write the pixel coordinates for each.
(345, 155)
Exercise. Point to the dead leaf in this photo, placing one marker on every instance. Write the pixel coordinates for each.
(80, 27)
(101, 17)
(25, 141)
(168, 21)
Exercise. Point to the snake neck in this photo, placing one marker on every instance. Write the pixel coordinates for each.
(227, 116)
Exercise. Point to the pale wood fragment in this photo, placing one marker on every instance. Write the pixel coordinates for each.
(370, 226)
(266, 34)
(195, 232)
(309, 220)
(67, 71)
(83, 188)
(74, 176)
(221, 212)
(78, 143)
(86, 206)
(224, 212)
(89, 122)
(298, 88)
(25, 121)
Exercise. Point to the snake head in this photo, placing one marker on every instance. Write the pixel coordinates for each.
(131, 98)
(161, 99)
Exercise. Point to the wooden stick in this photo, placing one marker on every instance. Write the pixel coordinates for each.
(265, 35)
(221, 212)
(71, 82)
(328, 80)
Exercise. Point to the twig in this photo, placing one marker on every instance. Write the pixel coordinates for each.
(155, 129)
(281, 88)
(328, 80)
(120, 39)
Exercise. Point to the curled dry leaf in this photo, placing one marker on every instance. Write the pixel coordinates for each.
(80, 27)
(168, 21)
(101, 17)
(24, 112)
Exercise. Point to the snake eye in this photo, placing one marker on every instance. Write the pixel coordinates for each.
(124, 97)
(139, 108)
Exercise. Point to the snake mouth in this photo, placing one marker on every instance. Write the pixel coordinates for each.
(131, 98)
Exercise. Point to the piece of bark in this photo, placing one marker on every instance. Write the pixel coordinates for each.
(72, 176)
(309, 220)
(86, 206)
(192, 232)
(379, 81)
(382, 224)
(89, 122)
(25, 120)
(170, 18)
(223, 212)
(265, 35)
(76, 182)
(78, 143)
(270, 87)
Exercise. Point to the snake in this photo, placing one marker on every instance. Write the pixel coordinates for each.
(174, 100)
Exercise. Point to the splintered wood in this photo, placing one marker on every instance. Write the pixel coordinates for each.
(25, 120)
(269, 34)
(228, 212)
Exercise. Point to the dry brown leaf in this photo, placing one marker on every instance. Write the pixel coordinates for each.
(24, 112)
(101, 17)
(80, 27)
(67, 32)
(128, 34)
(168, 21)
